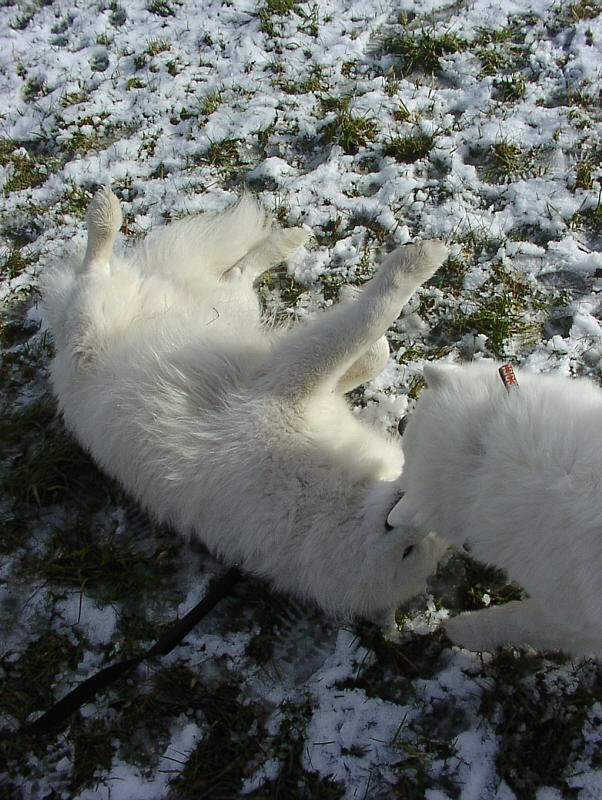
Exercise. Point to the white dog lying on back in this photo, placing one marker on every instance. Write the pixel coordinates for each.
(516, 477)
(230, 431)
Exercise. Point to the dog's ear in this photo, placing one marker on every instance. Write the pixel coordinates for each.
(437, 374)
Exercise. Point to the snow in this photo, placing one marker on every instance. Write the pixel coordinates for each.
(152, 140)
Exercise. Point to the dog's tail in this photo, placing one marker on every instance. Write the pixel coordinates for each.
(104, 220)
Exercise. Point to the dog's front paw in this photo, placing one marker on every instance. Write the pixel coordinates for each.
(466, 631)
(426, 256)
(416, 261)
(432, 250)
(288, 240)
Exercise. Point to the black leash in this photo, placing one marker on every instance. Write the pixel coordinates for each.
(85, 691)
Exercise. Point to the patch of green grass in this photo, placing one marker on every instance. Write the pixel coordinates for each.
(507, 307)
(589, 218)
(30, 678)
(88, 137)
(492, 60)
(75, 200)
(7, 148)
(224, 155)
(118, 16)
(508, 161)
(149, 143)
(22, 365)
(162, 8)
(422, 51)
(278, 292)
(293, 781)
(583, 174)
(49, 466)
(510, 88)
(212, 102)
(34, 88)
(482, 585)
(540, 718)
(585, 95)
(499, 318)
(389, 668)
(502, 49)
(22, 20)
(74, 98)
(50, 471)
(93, 751)
(217, 765)
(313, 82)
(140, 726)
(156, 46)
(105, 565)
(173, 67)
(331, 231)
(104, 39)
(26, 172)
(280, 7)
(409, 148)
(585, 9)
(12, 263)
(135, 83)
(271, 9)
(349, 130)
(451, 274)
(375, 232)
(311, 19)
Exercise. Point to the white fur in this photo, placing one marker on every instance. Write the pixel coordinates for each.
(517, 478)
(232, 432)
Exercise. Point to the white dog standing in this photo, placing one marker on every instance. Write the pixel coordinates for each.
(516, 477)
(230, 431)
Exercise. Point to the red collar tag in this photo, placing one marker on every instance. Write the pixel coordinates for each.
(508, 377)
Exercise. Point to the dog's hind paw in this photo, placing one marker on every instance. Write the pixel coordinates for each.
(104, 213)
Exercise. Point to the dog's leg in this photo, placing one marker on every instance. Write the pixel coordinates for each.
(108, 296)
(104, 220)
(516, 623)
(277, 247)
(329, 345)
(369, 364)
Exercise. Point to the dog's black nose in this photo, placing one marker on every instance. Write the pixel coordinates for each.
(401, 425)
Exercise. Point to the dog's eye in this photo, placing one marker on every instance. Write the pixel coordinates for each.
(407, 551)
(401, 425)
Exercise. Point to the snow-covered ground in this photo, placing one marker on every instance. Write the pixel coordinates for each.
(372, 123)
